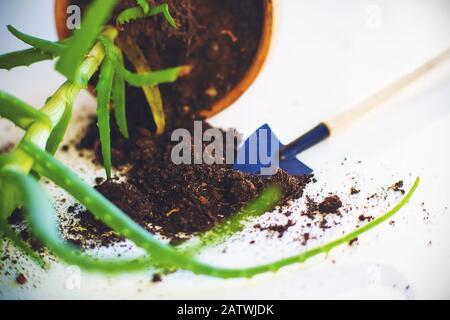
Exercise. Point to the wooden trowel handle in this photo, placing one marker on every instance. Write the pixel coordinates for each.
(377, 99)
(342, 121)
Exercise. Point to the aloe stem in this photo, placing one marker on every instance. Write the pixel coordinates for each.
(20, 113)
(55, 108)
(83, 39)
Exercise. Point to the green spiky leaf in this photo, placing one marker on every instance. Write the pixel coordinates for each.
(152, 93)
(119, 99)
(152, 78)
(140, 79)
(54, 48)
(129, 15)
(46, 165)
(135, 13)
(144, 5)
(42, 50)
(104, 89)
(23, 58)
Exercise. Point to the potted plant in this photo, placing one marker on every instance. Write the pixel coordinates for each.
(243, 29)
(94, 48)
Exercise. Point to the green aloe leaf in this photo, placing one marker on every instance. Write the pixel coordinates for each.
(152, 78)
(144, 5)
(135, 13)
(144, 78)
(130, 14)
(165, 11)
(19, 112)
(54, 48)
(83, 39)
(119, 99)
(23, 58)
(104, 89)
(152, 93)
(165, 254)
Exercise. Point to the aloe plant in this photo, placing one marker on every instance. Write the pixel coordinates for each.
(71, 54)
(91, 49)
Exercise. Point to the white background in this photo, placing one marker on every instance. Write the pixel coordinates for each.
(326, 55)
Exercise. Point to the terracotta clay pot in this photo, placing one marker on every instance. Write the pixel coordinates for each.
(249, 77)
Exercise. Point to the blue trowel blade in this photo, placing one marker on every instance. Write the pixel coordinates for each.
(248, 158)
(295, 167)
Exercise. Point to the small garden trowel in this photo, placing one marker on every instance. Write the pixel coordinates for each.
(263, 153)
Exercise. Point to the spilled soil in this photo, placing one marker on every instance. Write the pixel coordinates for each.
(176, 200)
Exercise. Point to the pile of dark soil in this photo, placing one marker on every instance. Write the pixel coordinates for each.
(176, 200)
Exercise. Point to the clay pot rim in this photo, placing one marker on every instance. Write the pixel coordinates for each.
(245, 83)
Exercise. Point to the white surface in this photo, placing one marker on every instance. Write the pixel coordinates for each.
(327, 55)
